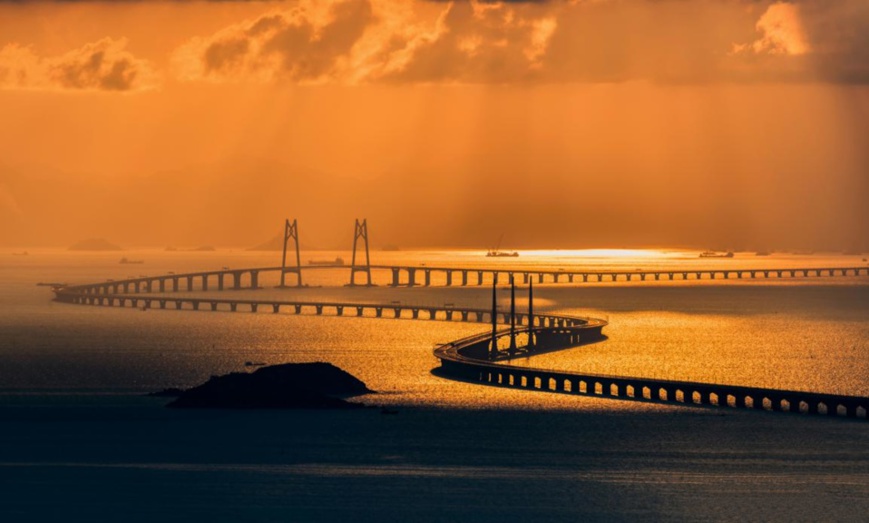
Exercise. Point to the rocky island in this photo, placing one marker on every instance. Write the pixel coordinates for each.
(286, 386)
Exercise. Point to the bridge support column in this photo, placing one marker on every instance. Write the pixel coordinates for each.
(411, 277)
(297, 309)
(254, 279)
(479, 277)
(464, 278)
(190, 283)
(213, 306)
(319, 309)
(276, 308)
(378, 312)
(359, 311)
(220, 281)
(339, 310)
(236, 280)
(449, 278)
(427, 278)
(204, 282)
(396, 272)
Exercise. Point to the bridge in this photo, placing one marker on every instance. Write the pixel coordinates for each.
(469, 359)
(408, 276)
(483, 358)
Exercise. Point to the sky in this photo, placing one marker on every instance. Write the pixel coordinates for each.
(722, 124)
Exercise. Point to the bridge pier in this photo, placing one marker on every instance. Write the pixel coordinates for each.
(204, 282)
(411, 277)
(359, 311)
(339, 310)
(397, 311)
(236, 280)
(220, 281)
(162, 304)
(464, 278)
(449, 278)
(427, 278)
(254, 279)
(479, 277)
(378, 312)
(432, 314)
(319, 309)
(213, 306)
(297, 309)
(276, 308)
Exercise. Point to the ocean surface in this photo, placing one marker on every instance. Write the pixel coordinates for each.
(79, 442)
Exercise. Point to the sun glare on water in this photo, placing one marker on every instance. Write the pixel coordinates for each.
(597, 253)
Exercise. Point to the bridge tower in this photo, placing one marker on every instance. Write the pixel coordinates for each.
(291, 231)
(512, 314)
(493, 350)
(361, 231)
(531, 314)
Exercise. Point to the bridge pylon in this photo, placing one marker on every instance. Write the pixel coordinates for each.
(493, 347)
(291, 232)
(361, 231)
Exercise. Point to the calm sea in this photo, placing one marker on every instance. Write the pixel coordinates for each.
(802, 333)
(78, 442)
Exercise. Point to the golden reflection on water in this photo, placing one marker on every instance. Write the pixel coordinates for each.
(805, 334)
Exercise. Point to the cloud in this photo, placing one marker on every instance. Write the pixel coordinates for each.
(475, 41)
(104, 65)
(308, 43)
(356, 41)
(782, 32)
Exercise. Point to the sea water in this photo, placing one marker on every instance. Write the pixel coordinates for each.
(79, 442)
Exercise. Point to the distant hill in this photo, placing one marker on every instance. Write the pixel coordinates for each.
(275, 244)
(95, 244)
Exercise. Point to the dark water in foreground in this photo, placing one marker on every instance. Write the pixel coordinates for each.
(77, 442)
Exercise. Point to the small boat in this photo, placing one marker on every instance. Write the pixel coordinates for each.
(501, 254)
(337, 262)
(714, 254)
(253, 364)
(128, 261)
(498, 253)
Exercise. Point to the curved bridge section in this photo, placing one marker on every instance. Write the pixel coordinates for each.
(483, 358)
(470, 359)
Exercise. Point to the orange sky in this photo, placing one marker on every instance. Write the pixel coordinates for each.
(598, 123)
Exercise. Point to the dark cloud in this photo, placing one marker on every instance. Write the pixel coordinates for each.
(99, 66)
(537, 41)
